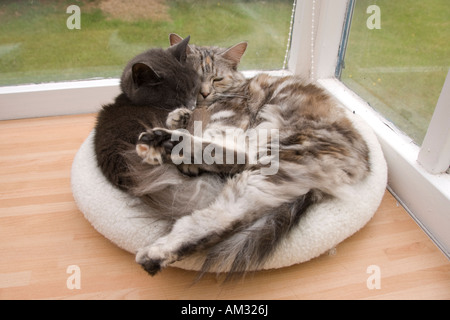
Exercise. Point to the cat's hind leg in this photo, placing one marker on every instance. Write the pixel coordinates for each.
(243, 200)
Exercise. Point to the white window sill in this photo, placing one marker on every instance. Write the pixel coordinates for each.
(65, 98)
(426, 196)
(52, 99)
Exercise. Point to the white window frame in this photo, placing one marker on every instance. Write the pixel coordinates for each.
(54, 99)
(422, 187)
(417, 176)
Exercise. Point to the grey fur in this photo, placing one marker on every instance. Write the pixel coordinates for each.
(153, 84)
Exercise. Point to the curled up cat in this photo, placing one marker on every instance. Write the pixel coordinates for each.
(153, 84)
(271, 147)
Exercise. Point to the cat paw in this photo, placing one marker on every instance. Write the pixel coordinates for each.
(151, 266)
(153, 259)
(154, 146)
(178, 119)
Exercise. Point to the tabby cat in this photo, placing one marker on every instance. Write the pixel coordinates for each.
(317, 151)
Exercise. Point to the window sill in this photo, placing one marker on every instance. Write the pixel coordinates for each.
(425, 196)
(52, 99)
(65, 98)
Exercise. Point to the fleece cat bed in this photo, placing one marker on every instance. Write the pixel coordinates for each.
(124, 220)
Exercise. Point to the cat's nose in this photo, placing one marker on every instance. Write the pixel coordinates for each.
(205, 94)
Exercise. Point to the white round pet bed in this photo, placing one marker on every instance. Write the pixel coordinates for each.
(120, 217)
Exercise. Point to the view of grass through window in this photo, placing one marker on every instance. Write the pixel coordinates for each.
(397, 58)
(37, 46)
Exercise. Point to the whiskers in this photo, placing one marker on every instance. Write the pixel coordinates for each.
(231, 95)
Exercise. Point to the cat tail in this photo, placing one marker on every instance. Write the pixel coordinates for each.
(250, 246)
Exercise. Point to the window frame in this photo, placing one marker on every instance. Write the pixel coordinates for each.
(55, 99)
(317, 36)
(422, 187)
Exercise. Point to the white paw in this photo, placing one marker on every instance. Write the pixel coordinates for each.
(149, 154)
(154, 258)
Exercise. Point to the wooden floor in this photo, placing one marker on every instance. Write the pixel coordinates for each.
(42, 235)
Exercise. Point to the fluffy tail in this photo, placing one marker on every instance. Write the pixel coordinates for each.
(249, 246)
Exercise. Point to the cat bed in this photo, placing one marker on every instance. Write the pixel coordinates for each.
(124, 220)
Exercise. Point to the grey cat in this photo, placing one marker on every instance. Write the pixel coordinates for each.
(153, 84)
(315, 150)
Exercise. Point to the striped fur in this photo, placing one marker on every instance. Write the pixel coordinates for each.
(319, 153)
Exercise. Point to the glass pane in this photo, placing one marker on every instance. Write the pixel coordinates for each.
(397, 58)
(40, 40)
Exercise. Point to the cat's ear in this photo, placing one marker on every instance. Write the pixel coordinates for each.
(174, 39)
(235, 53)
(144, 74)
(181, 49)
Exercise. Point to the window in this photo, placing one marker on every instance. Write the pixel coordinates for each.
(45, 41)
(321, 45)
(397, 58)
(45, 45)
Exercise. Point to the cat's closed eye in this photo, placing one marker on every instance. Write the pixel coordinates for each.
(217, 79)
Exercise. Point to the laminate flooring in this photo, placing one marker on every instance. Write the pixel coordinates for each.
(48, 248)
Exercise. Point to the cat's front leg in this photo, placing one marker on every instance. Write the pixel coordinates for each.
(154, 146)
(178, 118)
(192, 154)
